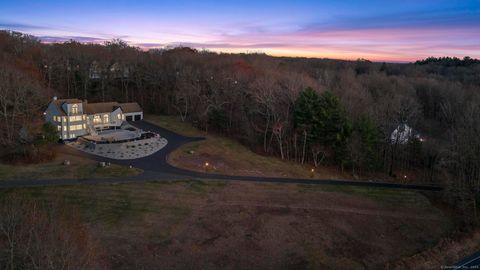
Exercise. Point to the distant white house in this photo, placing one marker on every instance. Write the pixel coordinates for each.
(74, 118)
(402, 134)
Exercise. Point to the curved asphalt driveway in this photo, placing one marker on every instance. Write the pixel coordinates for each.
(156, 168)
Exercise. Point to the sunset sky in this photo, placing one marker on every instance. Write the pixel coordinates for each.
(376, 30)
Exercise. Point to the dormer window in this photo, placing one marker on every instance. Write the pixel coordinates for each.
(74, 108)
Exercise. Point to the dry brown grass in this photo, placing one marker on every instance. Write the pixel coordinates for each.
(446, 253)
(220, 225)
(227, 156)
(80, 168)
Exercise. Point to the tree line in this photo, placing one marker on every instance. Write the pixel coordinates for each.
(312, 111)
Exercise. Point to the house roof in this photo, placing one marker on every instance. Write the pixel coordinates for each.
(59, 102)
(403, 133)
(71, 101)
(130, 107)
(102, 107)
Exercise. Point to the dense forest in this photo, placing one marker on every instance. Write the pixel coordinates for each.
(420, 120)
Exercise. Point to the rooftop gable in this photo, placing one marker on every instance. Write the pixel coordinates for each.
(130, 107)
(59, 102)
(96, 108)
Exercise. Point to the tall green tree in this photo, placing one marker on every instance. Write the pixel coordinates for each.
(323, 122)
(367, 133)
(307, 110)
(306, 121)
(49, 135)
(335, 128)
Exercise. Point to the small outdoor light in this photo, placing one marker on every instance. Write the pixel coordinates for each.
(312, 173)
(405, 176)
(206, 167)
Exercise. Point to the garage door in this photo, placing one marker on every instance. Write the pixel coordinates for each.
(129, 118)
(138, 117)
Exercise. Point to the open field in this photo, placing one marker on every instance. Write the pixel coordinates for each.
(234, 225)
(227, 156)
(80, 168)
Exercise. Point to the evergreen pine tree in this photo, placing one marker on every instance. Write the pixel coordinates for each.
(368, 134)
(306, 114)
(324, 119)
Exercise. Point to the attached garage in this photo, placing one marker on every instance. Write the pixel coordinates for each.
(132, 111)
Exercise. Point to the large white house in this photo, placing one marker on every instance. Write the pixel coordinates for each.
(75, 118)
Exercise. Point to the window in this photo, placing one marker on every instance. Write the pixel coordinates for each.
(84, 126)
(97, 119)
(59, 128)
(64, 128)
(105, 118)
(74, 108)
(76, 127)
(84, 117)
(119, 116)
(75, 118)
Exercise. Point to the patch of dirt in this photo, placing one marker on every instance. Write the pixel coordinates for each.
(64, 153)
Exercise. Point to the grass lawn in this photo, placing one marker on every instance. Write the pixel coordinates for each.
(237, 225)
(174, 124)
(80, 168)
(227, 156)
